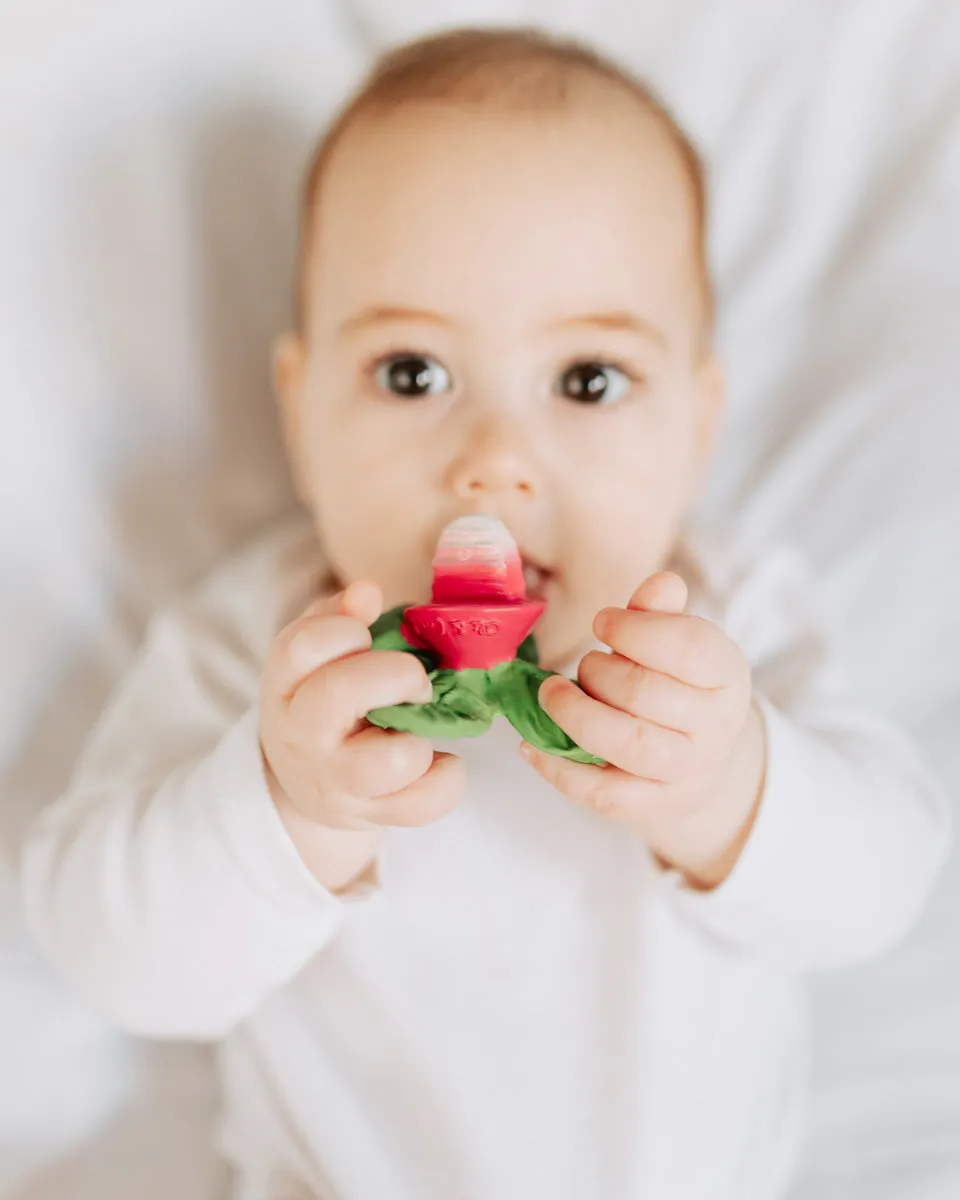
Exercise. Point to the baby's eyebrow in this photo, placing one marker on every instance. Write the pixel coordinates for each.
(380, 314)
(627, 321)
(385, 314)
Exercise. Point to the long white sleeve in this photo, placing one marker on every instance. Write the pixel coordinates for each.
(163, 884)
(851, 830)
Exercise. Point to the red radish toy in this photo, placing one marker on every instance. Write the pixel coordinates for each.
(480, 612)
(473, 642)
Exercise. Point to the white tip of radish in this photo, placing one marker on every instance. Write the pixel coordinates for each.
(476, 560)
(475, 539)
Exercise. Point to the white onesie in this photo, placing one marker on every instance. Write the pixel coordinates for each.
(519, 1005)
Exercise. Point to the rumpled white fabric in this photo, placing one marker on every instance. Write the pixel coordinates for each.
(148, 154)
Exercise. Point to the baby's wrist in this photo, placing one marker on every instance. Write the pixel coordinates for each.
(335, 857)
(707, 848)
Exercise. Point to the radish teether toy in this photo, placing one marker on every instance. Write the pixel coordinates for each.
(473, 638)
(480, 612)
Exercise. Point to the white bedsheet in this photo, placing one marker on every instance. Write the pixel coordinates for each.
(148, 154)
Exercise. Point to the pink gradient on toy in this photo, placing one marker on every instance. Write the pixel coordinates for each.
(477, 559)
(480, 612)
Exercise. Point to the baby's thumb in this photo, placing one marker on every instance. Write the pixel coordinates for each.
(662, 593)
(362, 600)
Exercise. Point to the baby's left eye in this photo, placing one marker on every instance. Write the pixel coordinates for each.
(593, 383)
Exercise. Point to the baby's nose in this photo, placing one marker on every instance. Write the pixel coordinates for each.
(493, 463)
(482, 483)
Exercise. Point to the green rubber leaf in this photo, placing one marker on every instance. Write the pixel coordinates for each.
(460, 708)
(528, 651)
(387, 636)
(465, 703)
(515, 686)
(388, 622)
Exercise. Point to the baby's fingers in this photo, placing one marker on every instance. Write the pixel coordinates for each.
(331, 628)
(690, 649)
(664, 592)
(639, 747)
(626, 685)
(309, 644)
(340, 695)
(377, 762)
(428, 799)
(607, 790)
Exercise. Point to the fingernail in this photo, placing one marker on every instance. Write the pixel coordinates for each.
(601, 625)
(526, 751)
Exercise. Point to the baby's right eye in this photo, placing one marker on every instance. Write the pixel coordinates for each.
(412, 376)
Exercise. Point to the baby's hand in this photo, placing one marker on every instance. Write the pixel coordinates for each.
(670, 710)
(335, 779)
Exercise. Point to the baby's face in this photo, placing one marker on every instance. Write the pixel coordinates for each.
(504, 317)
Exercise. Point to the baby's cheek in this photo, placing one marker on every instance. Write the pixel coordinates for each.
(627, 545)
(384, 543)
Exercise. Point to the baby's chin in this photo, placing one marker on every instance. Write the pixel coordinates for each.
(563, 635)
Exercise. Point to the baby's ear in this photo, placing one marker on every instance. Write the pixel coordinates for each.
(712, 388)
(288, 360)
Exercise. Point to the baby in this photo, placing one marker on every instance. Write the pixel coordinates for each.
(487, 972)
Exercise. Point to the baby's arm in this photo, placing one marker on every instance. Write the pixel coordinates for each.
(852, 830)
(175, 885)
(798, 825)
(163, 885)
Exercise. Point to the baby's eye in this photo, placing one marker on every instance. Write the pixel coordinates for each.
(593, 383)
(412, 375)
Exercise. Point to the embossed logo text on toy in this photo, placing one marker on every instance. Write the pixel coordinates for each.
(472, 626)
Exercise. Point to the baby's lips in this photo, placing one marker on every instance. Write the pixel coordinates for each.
(464, 636)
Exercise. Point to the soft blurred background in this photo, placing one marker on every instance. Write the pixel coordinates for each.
(150, 152)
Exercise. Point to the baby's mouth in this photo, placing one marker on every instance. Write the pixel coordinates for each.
(537, 579)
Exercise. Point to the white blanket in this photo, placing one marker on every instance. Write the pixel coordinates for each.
(148, 157)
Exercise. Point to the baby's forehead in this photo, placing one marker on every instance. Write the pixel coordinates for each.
(422, 168)
(588, 113)
(584, 209)
(611, 140)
